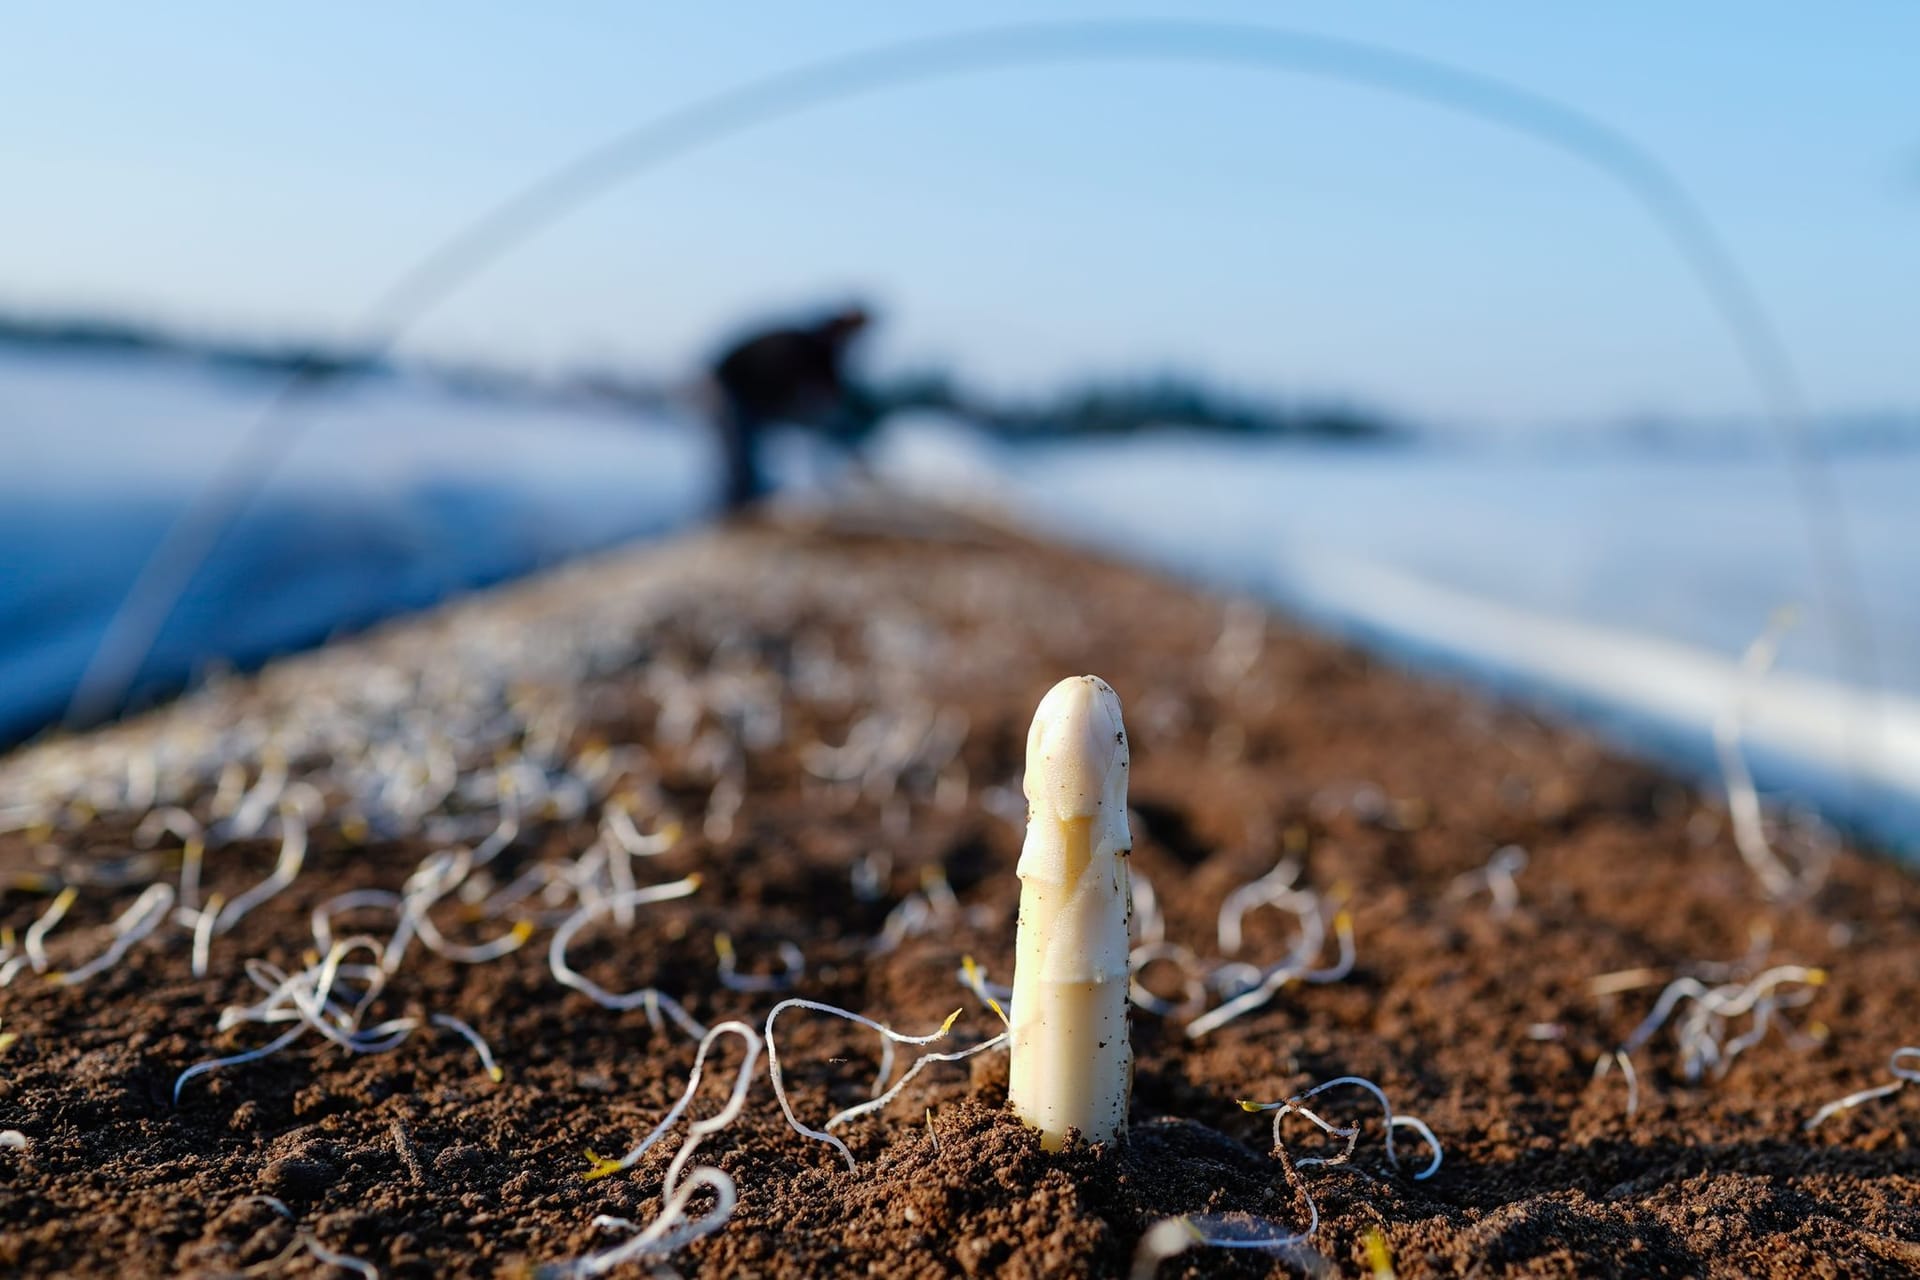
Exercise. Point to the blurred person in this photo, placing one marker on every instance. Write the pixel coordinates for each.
(787, 377)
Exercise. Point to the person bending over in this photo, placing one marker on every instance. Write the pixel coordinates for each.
(791, 376)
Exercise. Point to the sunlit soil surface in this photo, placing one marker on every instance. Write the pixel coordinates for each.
(782, 761)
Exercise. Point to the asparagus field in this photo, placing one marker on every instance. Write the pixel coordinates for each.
(619, 920)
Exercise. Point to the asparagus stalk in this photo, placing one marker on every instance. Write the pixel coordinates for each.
(1072, 1053)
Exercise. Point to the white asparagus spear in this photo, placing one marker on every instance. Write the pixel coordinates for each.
(1072, 1050)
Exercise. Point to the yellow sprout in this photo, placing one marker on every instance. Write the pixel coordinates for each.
(602, 1167)
(978, 983)
(1379, 1257)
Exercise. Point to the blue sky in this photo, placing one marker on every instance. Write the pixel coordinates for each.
(255, 167)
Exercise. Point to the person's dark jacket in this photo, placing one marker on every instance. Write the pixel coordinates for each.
(790, 375)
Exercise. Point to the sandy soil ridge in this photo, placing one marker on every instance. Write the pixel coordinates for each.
(825, 725)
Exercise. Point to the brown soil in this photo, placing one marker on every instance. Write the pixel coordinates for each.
(1487, 1027)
